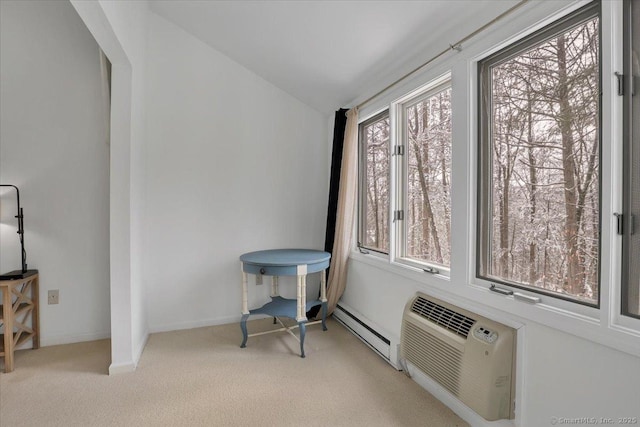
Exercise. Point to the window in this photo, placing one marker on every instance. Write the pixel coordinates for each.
(424, 166)
(631, 168)
(373, 221)
(539, 153)
(556, 156)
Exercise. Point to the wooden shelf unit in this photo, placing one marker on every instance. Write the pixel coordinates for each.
(19, 303)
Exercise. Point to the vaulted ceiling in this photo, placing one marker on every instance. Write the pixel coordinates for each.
(330, 53)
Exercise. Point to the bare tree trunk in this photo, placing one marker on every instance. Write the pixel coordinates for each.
(504, 223)
(371, 202)
(546, 253)
(503, 179)
(428, 211)
(445, 183)
(376, 208)
(575, 269)
(414, 218)
(533, 186)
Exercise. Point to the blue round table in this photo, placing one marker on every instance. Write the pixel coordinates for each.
(285, 262)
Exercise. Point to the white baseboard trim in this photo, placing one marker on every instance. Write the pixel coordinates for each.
(140, 349)
(49, 340)
(122, 368)
(452, 402)
(167, 327)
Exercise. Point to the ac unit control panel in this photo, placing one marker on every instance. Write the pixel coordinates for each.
(486, 335)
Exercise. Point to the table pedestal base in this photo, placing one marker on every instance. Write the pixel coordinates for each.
(302, 325)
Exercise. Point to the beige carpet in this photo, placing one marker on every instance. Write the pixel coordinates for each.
(201, 377)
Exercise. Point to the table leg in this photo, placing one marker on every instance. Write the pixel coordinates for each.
(323, 297)
(35, 319)
(323, 285)
(245, 306)
(300, 313)
(303, 329)
(245, 292)
(243, 326)
(8, 329)
(324, 316)
(274, 292)
(303, 309)
(302, 305)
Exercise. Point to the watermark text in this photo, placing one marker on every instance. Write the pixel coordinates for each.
(594, 421)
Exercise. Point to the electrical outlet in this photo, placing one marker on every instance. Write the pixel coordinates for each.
(53, 296)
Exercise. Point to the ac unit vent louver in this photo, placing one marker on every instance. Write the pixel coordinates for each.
(469, 355)
(443, 364)
(453, 321)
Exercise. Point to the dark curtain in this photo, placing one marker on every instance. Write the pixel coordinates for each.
(334, 183)
(339, 126)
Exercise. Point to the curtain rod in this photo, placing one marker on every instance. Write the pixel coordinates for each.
(456, 46)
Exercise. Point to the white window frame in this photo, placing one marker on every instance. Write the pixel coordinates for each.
(400, 162)
(544, 296)
(604, 325)
(362, 156)
(624, 319)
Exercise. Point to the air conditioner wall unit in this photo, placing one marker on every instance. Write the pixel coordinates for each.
(469, 355)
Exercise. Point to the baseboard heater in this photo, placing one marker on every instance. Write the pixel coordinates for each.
(372, 338)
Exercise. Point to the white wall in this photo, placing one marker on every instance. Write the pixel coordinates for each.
(129, 20)
(572, 377)
(120, 29)
(53, 146)
(234, 164)
(564, 376)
